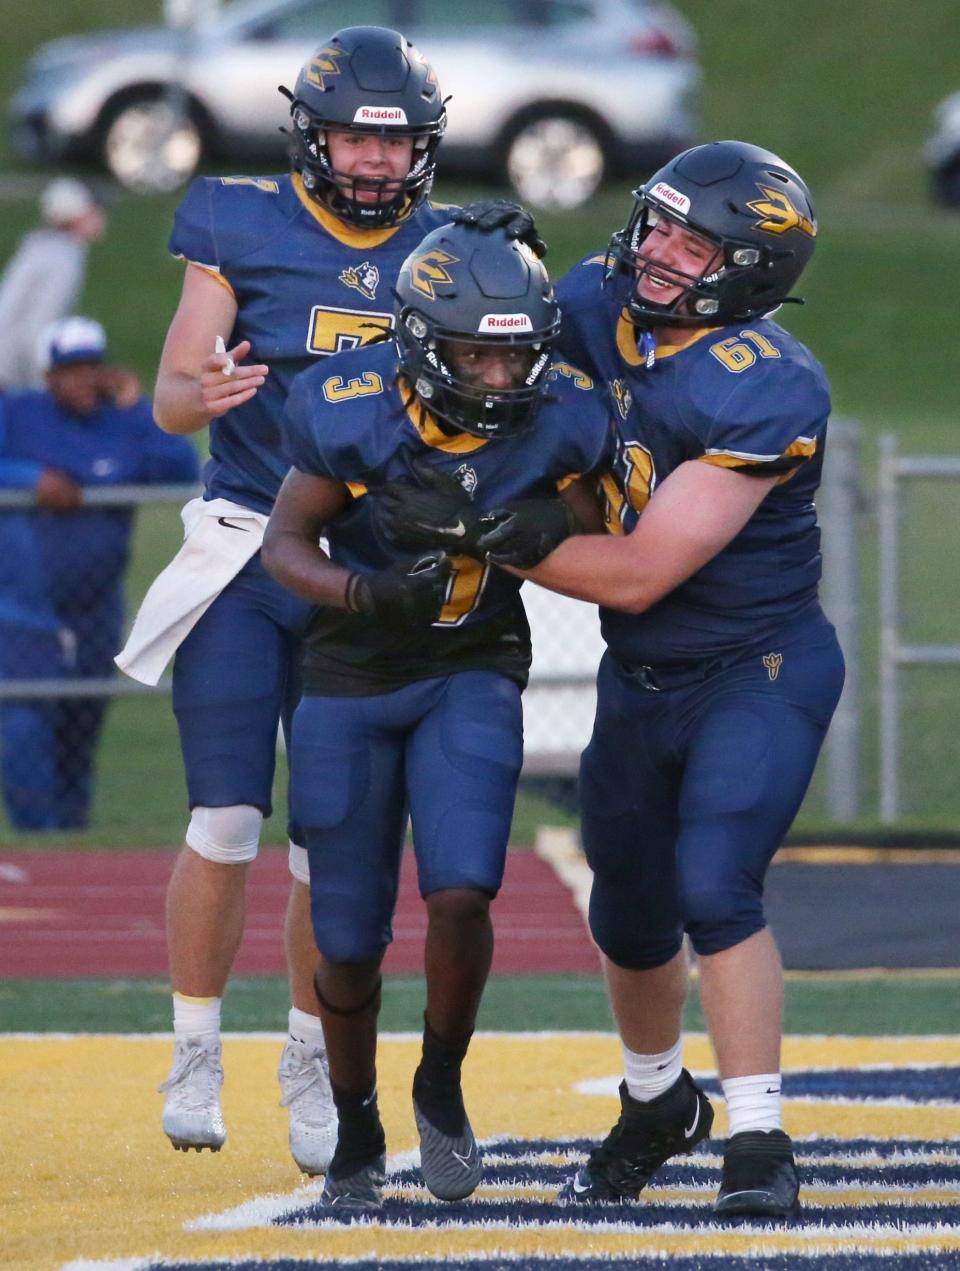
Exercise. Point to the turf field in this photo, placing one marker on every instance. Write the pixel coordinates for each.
(872, 1061)
(89, 1181)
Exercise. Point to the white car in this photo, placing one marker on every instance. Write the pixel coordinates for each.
(553, 95)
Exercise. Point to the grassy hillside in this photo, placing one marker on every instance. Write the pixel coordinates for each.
(843, 91)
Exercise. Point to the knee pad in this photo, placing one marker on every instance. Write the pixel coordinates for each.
(299, 863)
(229, 836)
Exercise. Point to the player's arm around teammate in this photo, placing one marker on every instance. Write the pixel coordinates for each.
(722, 672)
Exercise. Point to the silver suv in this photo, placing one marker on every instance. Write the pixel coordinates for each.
(554, 95)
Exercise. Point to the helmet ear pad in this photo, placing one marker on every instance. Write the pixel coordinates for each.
(465, 286)
(368, 80)
(751, 204)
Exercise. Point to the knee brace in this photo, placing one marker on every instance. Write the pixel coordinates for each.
(229, 836)
(299, 863)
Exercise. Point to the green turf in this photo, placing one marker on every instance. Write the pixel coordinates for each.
(834, 1004)
(844, 91)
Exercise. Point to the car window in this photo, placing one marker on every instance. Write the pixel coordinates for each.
(458, 17)
(566, 12)
(321, 18)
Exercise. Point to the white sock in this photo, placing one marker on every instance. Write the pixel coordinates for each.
(196, 1016)
(305, 1028)
(649, 1075)
(753, 1103)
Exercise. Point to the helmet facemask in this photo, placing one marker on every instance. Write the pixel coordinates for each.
(440, 387)
(718, 295)
(366, 80)
(746, 201)
(339, 190)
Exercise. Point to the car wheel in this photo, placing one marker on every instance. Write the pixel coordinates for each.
(152, 143)
(555, 161)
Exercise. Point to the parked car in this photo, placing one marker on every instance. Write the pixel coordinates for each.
(553, 95)
(942, 152)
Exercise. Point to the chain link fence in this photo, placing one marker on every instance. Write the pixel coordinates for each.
(82, 747)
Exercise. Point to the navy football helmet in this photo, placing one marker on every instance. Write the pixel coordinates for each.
(366, 79)
(748, 202)
(462, 286)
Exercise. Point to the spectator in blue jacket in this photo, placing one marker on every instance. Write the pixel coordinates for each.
(62, 565)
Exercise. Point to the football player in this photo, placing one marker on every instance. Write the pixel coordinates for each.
(721, 672)
(284, 271)
(412, 689)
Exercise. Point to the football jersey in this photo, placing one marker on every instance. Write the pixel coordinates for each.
(746, 396)
(307, 285)
(352, 420)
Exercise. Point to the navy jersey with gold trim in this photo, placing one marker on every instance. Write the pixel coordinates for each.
(746, 396)
(350, 419)
(306, 285)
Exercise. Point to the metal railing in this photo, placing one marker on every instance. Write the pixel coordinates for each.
(894, 652)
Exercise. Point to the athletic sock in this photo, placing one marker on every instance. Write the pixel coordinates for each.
(360, 1137)
(196, 1016)
(753, 1103)
(305, 1029)
(650, 1075)
(436, 1083)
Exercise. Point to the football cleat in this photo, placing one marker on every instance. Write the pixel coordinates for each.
(192, 1117)
(451, 1164)
(305, 1093)
(645, 1136)
(359, 1190)
(759, 1177)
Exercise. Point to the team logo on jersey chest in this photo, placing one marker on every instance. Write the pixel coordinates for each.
(467, 477)
(622, 397)
(364, 278)
(773, 662)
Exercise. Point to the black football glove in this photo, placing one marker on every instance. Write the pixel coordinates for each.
(527, 531)
(435, 512)
(514, 220)
(405, 594)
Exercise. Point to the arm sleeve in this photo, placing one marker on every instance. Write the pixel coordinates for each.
(768, 426)
(15, 473)
(194, 235)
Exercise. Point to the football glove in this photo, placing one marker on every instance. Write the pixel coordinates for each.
(435, 512)
(526, 531)
(405, 594)
(514, 220)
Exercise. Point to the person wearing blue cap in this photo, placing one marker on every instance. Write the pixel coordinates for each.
(62, 565)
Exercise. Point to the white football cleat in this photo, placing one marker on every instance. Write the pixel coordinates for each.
(191, 1112)
(305, 1093)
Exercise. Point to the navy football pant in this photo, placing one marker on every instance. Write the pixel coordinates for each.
(687, 793)
(235, 679)
(445, 751)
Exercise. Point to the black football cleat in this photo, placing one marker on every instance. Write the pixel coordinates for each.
(760, 1178)
(646, 1135)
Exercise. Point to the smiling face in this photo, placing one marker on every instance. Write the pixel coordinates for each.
(369, 166)
(672, 258)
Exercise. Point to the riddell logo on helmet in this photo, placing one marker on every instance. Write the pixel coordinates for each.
(673, 198)
(380, 115)
(505, 322)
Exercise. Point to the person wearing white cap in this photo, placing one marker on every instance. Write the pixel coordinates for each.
(43, 279)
